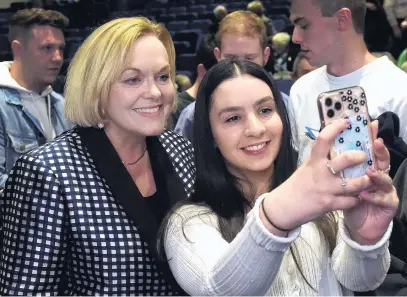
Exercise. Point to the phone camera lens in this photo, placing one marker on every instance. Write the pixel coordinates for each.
(330, 113)
(338, 106)
(328, 101)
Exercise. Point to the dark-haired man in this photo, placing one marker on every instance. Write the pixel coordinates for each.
(330, 33)
(30, 112)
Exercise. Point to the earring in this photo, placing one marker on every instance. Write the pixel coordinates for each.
(100, 126)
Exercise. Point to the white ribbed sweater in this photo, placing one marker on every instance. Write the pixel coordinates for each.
(257, 262)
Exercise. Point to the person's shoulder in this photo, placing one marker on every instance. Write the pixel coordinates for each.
(171, 137)
(307, 80)
(7, 94)
(57, 148)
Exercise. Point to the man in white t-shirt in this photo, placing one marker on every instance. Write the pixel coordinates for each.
(330, 33)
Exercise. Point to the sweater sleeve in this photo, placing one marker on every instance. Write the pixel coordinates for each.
(203, 263)
(360, 268)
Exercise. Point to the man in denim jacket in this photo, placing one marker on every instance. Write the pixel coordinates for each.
(30, 112)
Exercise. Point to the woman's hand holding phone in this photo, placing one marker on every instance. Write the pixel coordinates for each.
(369, 219)
(369, 201)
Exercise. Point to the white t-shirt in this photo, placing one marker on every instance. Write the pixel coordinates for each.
(385, 86)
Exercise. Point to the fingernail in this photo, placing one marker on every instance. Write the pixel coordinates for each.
(347, 121)
(371, 169)
(380, 139)
(364, 193)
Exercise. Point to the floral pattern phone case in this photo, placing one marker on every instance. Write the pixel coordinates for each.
(349, 103)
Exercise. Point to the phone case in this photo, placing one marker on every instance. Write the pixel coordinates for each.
(349, 103)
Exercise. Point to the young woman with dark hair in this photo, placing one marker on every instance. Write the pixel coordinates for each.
(240, 232)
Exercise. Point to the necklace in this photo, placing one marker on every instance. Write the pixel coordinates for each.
(135, 162)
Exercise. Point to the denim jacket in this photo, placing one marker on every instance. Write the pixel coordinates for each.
(20, 131)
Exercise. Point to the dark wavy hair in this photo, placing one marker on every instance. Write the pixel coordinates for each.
(215, 186)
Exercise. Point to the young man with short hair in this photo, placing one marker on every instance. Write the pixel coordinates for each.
(30, 112)
(241, 34)
(330, 33)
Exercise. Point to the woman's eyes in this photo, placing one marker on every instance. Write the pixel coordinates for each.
(262, 111)
(232, 119)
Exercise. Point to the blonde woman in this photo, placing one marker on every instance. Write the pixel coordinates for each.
(86, 206)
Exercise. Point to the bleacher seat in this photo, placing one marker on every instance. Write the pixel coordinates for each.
(177, 25)
(190, 16)
(205, 15)
(166, 18)
(6, 56)
(4, 44)
(202, 25)
(279, 24)
(197, 8)
(177, 10)
(186, 62)
(182, 47)
(3, 30)
(193, 36)
(284, 85)
(277, 9)
(72, 45)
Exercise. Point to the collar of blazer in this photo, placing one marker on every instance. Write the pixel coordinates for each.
(122, 186)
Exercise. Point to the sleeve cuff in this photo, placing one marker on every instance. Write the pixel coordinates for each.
(263, 237)
(366, 251)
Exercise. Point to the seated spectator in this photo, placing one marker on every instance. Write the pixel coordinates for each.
(219, 13)
(281, 42)
(30, 112)
(183, 82)
(396, 11)
(301, 66)
(205, 59)
(257, 8)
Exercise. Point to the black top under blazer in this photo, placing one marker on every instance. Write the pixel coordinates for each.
(75, 223)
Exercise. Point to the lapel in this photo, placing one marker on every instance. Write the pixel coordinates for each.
(172, 182)
(121, 184)
(125, 191)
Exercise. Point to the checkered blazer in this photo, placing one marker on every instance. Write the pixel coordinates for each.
(71, 211)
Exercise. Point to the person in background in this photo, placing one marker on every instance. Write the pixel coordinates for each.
(31, 113)
(257, 8)
(86, 207)
(331, 36)
(241, 34)
(256, 225)
(396, 12)
(183, 82)
(301, 67)
(281, 42)
(219, 13)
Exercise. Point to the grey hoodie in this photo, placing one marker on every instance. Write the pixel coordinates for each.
(37, 104)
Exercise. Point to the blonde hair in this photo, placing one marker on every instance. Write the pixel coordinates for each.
(243, 23)
(282, 38)
(256, 7)
(99, 62)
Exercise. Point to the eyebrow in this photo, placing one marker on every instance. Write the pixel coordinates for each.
(296, 20)
(165, 67)
(238, 108)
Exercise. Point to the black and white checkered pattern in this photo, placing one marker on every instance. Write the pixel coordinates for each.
(58, 211)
